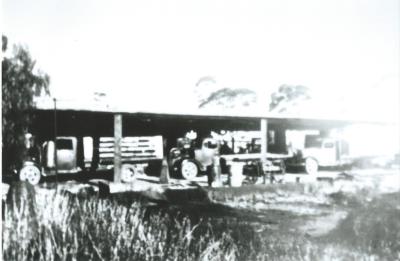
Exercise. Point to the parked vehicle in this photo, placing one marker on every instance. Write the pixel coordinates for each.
(253, 166)
(187, 162)
(65, 157)
(137, 154)
(321, 152)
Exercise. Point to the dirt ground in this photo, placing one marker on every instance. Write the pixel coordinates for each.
(313, 206)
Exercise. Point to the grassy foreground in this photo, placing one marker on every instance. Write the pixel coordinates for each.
(68, 227)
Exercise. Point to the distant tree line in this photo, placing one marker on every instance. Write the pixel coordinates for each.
(288, 96)
(282, 100)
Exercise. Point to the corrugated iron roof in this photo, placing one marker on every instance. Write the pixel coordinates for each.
(163, 111)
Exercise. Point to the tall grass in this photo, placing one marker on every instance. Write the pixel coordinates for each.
(69, 227)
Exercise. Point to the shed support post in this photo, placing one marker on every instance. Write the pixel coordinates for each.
(264, 146)
(164, 175)
(117, 147)
(217, 171)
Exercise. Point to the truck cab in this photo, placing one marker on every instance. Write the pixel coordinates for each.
(43, 162)
(67, 155)
(323, 152)
(188, 162)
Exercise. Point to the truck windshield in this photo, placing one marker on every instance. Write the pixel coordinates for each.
(64, 144)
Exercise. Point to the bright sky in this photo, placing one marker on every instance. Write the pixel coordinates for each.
(153, 49)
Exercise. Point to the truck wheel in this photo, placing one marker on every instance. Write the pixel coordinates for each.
(188, 169)
(129, 173)
(30, 173)
(311, 166)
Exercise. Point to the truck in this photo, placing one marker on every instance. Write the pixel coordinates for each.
(187, 161)
(320, 151)
(70, 155)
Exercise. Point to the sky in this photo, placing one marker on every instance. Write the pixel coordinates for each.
(154, 51)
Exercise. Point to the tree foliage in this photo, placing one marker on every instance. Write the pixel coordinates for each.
(20, 83)
(211, 94)
(230, 98)
(287, 97)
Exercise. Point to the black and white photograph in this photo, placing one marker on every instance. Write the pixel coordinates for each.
(200, 130)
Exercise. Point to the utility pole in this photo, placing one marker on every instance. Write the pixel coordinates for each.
(55, 141)
(264, 145)
(117, 147)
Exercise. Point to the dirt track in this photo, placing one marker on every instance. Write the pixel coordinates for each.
(313, 208)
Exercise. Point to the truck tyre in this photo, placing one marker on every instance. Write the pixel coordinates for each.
(311, 166)
(31, 174)
(188, 169)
